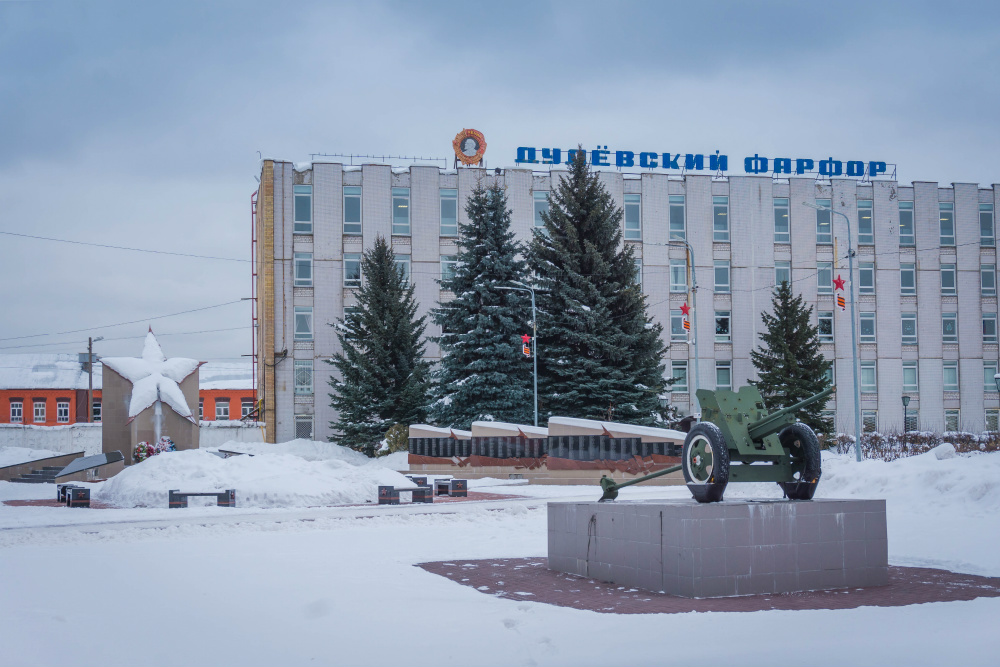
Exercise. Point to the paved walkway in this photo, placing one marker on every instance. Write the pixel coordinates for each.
(530, 579)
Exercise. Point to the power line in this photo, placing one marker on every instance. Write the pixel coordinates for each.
(159, 335)
(118, 247)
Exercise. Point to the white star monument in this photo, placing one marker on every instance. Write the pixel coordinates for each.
(155, 380)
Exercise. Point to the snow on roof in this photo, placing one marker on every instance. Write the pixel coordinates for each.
(482, 428)
(64, 371)
(647, 433)
(225, 375)
(428, 431)
(154, 377)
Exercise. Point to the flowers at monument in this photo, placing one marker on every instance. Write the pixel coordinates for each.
(144, 450)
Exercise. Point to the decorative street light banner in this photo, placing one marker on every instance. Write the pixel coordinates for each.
(684, 162)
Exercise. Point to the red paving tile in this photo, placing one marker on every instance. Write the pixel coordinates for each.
(46, 502)
(530, 579)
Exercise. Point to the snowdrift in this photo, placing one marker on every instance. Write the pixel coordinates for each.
(312, 450)
(10, 456)
(262, 480)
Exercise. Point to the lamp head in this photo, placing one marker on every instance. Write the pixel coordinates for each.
(906, 401)
(816, 206)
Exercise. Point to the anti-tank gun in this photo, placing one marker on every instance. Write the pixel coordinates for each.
(737, 441)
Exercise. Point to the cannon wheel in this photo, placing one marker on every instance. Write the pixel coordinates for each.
(800, 441)
(705, 462)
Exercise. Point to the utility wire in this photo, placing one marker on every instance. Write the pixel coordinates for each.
(159, 335)
(118, 247)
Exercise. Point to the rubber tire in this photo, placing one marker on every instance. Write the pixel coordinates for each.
(712, 491)
(800, 441)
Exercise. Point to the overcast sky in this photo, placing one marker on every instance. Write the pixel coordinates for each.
(139, 123)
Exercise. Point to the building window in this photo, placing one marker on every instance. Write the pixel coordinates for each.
(723, 375)
(541, 199)
(401, 211)
(62, 412)
(633, 226)
(909, 321)
(869, 381)
(352, 210)
(951, 420)
(948, 279)
(448, 264)
(989, 370)
(638, 271)
(986, 233)
(907, 279)
(222, 409)
(988, 279)
(303, 269)
(866, 278)
(824, 277)
(782, 231)
(720, 217)
(867, 327)
(866, 230)
(906, 235)
(201, 408)
(97, 411)
(246, 407)
(782, 272)
(992, 419)
(303, 427)
(39, 412)
(449, 212)
(829, 375)
(303, 209)
(679, 372)
(722, 334)
(824, 326)
(678, 275)
(910, 383)
(947, 215)
(677, 217)
(303, 323)
(989, 327)
(16, 412)
(722, 276)
(403, 263)
(303, 376)
(829, 415)
(677, 332)
(824, 226)
(869, 421)
(911, 419)
(352, 270)
(949, 328)
(949, 376)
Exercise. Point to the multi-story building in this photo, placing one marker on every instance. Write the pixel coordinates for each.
(925, 277)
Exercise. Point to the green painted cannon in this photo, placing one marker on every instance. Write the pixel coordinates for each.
(737, 441)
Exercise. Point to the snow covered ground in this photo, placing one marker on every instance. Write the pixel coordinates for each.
(300, 585)
(13, 455)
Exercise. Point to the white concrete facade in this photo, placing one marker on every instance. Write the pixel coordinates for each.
(753, 252)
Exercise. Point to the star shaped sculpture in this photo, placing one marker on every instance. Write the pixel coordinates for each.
(154, 378)
(838, 282)
(525, 339)
(685, 309)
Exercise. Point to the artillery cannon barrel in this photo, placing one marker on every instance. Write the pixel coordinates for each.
(786, 416)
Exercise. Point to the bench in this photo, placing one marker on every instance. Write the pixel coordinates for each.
(225, 498)
(61, 490)
(73, 495)
(456, 488)
(389, 495)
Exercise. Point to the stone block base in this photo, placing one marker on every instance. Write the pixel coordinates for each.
(743, 547)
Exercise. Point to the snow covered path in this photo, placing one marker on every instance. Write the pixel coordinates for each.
(337, 585)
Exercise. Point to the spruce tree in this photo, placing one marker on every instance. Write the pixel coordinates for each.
(600, 354)
(483, 375)
(383, 377)
(789, 364)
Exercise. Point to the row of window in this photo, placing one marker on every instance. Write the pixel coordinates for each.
(448, 208)
(911, 420)
(303, 268)
(868, 377)
(222, 408)
(39, 412)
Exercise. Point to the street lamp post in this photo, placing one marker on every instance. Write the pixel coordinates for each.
(693, 296)
(854, 328)
(534, 338)
(906, 403)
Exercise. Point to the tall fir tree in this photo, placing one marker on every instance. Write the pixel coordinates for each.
(600, 354)
(483, 374)
(383, 377)
(789, 364)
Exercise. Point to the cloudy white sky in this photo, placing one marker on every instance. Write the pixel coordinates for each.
(139, 123)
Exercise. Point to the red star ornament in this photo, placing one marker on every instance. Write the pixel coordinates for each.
(838, 282)
(525, 339)
(685, 309)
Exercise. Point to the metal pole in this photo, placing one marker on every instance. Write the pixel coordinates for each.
(90, 379)
(534, 339)
(693, 296)
(854, 339)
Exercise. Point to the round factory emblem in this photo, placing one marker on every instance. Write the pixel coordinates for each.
(469, 146)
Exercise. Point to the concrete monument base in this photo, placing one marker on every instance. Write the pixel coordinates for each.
(743, 547)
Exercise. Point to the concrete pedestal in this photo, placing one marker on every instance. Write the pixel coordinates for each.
(743, 547)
